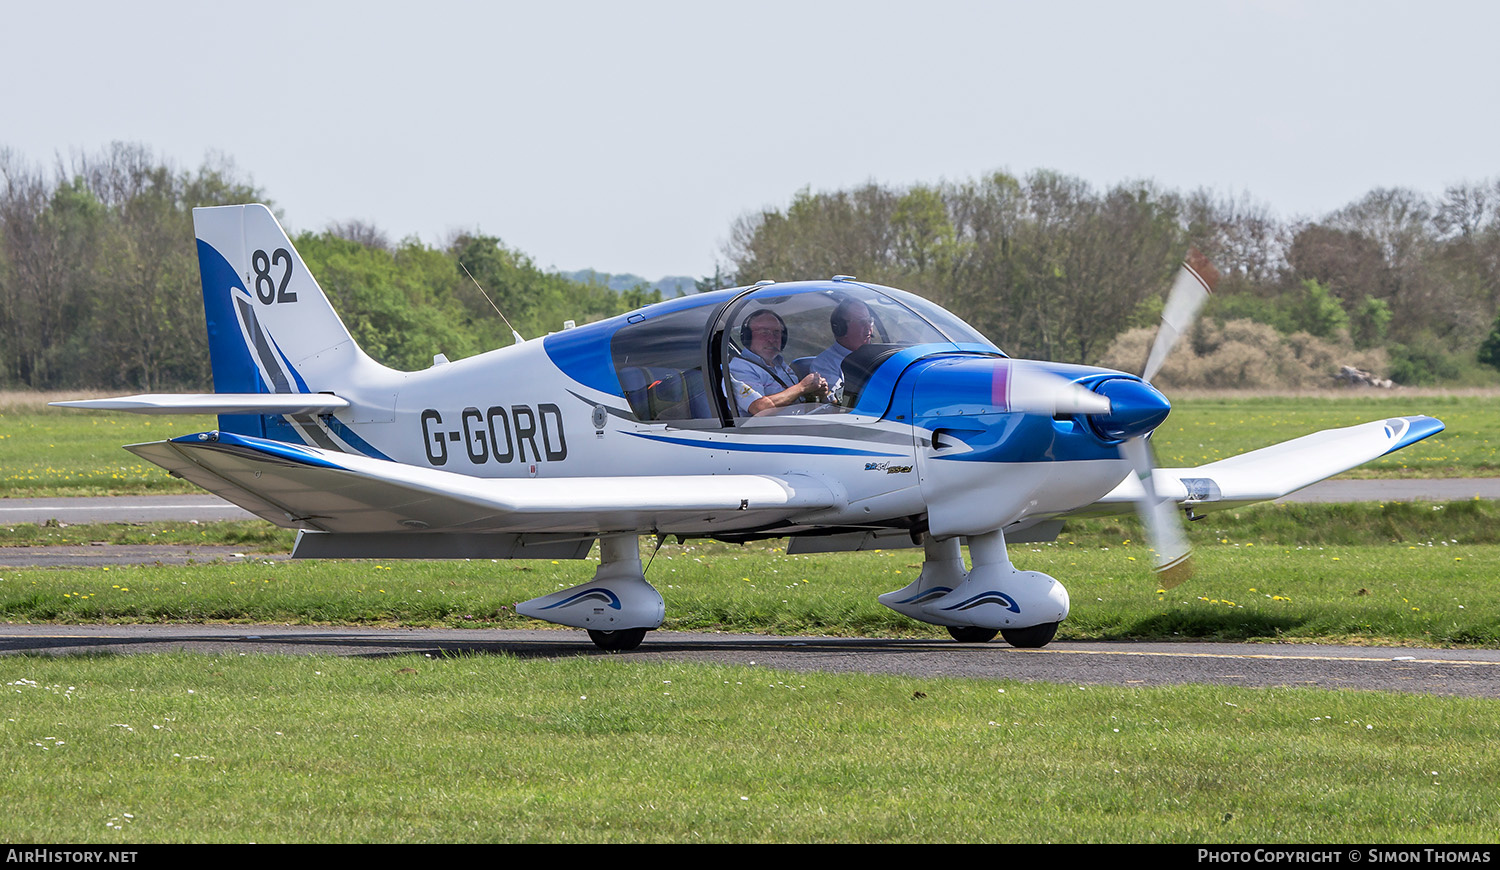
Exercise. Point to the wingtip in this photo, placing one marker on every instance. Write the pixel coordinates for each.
(82, 405)
(1414, 430)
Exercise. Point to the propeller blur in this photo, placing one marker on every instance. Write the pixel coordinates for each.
(838, 414)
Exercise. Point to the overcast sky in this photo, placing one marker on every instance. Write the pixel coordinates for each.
(628, 136)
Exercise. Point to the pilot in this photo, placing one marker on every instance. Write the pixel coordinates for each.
(853, 328)
(760, 379)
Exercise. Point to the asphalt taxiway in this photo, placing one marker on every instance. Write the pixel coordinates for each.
(1470, 673)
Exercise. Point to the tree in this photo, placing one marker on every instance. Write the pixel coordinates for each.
(1318, 312)
(1370, 322)
(1468, 220)
(1348, 263)
(923, 239)
(719, 280)
(1489, 351)
(148, 332)
(1046, 267)
(362, 232)
(640, 296)
(1241, 238)
(392, 305)
(98, 271)
(51, 236)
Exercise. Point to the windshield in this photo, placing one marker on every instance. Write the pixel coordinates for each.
(778, 337)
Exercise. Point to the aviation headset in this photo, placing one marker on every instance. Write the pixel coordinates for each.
(745, 333)
(839, 320)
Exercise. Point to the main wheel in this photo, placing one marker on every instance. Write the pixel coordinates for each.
(1035, 637)
(972, 633)
(619, 640)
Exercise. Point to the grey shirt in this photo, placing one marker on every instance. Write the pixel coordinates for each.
(751, 377)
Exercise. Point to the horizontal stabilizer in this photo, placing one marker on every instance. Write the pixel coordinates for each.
(215, 403)
(1270, 472)
(307, 488)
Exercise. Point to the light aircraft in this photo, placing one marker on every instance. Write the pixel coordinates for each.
(631, 426)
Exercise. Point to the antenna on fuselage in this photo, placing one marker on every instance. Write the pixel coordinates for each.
(487, 298)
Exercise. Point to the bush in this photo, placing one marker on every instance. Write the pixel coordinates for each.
(1489, 352)
(1244, 354)
(1318, 311)
(1423, 363)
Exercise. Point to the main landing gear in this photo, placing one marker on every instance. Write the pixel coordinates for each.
(617, 607)
(990, 598)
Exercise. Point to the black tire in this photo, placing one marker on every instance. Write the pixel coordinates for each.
(972, 633)
(619, 640)
(1035, 637)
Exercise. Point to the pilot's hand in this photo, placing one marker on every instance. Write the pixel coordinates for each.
(813, 385)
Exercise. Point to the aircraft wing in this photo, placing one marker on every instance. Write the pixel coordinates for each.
(307, 488)
(1270, 472)
(215, 403)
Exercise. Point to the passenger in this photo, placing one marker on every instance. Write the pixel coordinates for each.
(760, 379)
(853, 328)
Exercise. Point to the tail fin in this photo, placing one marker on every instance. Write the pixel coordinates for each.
(270, 328)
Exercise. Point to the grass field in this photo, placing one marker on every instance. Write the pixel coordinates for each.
(182, 748)
(55, 452)
(1208, 428)
(50, 451)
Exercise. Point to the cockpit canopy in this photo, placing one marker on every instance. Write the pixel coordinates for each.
(674, 365)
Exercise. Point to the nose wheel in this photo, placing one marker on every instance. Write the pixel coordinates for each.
(972, 633)
(1035, 637)
(618, 640)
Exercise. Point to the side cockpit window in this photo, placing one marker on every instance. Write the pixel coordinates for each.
(776, 338)
(659, 361)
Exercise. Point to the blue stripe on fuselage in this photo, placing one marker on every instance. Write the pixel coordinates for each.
(811, 449)
(280, 449)
(347, 433)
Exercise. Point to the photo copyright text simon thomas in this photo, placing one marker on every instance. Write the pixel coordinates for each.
(1344, 856)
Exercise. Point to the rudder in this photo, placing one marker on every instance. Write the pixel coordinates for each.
(270, 327)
